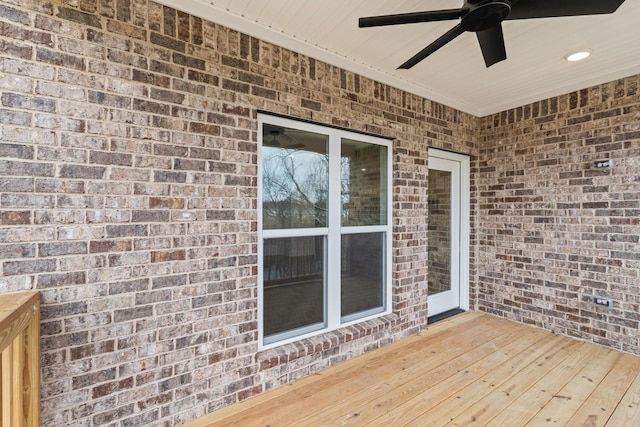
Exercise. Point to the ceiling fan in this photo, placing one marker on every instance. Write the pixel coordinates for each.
(484, 17)
(280, 138)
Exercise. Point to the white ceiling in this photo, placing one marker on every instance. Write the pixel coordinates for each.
(455, 75)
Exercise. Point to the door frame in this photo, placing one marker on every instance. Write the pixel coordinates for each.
(462, 252)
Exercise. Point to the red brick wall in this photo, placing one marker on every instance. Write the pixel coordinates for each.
(553, 232)
(128, 175)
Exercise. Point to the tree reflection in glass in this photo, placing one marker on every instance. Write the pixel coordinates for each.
(295, 178)
(363, 183)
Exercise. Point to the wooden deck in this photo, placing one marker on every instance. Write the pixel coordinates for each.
(470, 370)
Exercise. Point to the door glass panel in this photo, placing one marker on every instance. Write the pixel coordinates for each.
(439, 231)
(293, 283)
(295, 178)
(362, 272)
(363, 178)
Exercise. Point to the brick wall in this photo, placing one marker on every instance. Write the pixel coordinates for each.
(128, 198)
(555, 232)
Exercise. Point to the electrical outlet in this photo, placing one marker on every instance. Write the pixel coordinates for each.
(599, 164)
(602, 301)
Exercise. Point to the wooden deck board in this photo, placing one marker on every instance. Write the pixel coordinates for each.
(568, 400)
(627, 413)
(529, 353)
(597, 409)
(494, 397)
(519, 411)
(473, 369)
(445, 391)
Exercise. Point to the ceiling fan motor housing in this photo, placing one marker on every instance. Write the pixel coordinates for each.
(484, 14)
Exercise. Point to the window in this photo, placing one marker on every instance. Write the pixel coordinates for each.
(325, 232)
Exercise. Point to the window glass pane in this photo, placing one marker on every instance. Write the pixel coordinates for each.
(295, 178)
(293, 283)
(439, 231)
(362, 272)
(363, 183)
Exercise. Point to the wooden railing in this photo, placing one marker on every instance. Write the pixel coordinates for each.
(20, 363)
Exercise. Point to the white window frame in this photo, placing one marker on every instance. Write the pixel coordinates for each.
(332, 232)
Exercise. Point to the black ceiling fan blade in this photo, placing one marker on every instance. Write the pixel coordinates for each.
(441, 41)
(527, 9)
(492, 45)
(410, 18)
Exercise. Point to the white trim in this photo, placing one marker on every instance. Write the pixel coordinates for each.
(465, 230)
(260, 293)
(462, 255)
(294, 232)
(333, 234)
(364, 229)
(333, 302)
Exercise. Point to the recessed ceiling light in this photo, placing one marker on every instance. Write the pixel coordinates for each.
(577, 56)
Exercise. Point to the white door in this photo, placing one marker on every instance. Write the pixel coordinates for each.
(448, 232)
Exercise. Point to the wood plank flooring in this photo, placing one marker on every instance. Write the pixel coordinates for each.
(469, 370)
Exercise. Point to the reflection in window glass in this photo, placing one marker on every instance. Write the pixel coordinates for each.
(363, 183)
(362, 273)
(295, 178)
(439, 231)
(293, 283)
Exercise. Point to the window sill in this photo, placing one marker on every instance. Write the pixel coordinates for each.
(289, 352)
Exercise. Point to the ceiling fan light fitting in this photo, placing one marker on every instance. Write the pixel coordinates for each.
(483, 15)
(577, 56)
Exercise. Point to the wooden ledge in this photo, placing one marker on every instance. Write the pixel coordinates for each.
(16, 311)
